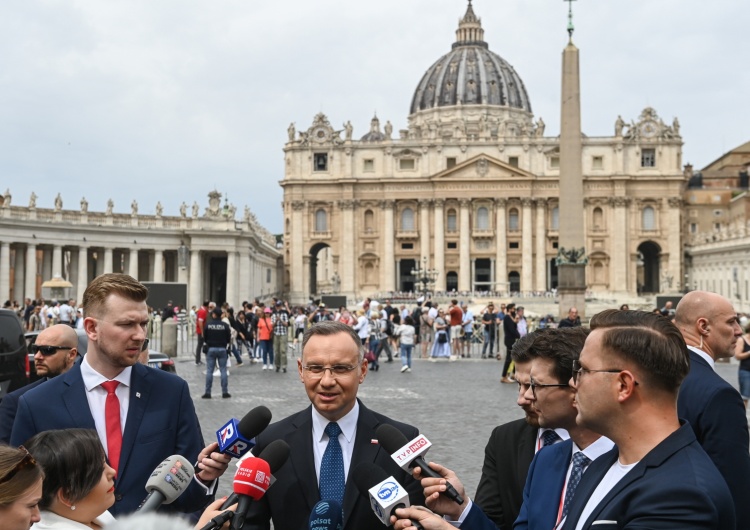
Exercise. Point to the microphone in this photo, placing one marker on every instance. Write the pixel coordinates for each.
(275, 454)
(236, 438)
(410, 454)
(385, 493)
(326, 515)
(251, 481)
(167, 482)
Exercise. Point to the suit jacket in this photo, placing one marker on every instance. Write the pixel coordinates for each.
(161, 422)
(292, 497)
(715, 411)
(674, 486)
(511, 331)
(507, 458)
(9, 406)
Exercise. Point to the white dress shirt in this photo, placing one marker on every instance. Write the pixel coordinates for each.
(703, 355)
(52, 521)
(348, 425)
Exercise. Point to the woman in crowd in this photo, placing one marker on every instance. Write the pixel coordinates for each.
(265, 337)
(374, 341)
(79, 485)
(441, 348)
(742, 354)
(405, 334)
(20, 488)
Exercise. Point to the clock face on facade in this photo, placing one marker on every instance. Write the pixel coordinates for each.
(320, 134)
(648, 129)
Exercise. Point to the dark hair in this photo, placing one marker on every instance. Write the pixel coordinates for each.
(96, 294)
(408, 320)
(521, 351)
(73, 461)
(510, 306)
(650, 341)
(562, 346)
(332, 327)
(18, 473)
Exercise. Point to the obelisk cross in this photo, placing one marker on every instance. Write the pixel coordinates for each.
(570, 17)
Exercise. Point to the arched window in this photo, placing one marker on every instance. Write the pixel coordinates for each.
(321, 220)
(649, 218)
(513, 219)
(598, 272)
(451, 281)
(369, 221)
(598, 218)
(514, 281)
(452, 223)
(369, 273)
(555, 220)
(407, 219)
(483, 218)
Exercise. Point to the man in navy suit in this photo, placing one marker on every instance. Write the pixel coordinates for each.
(55, 351)
(713, 407)
(156, 414)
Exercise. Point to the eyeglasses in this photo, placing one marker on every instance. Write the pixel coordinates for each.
(47, 350)
(316, 371)
(534, 385)
(578, 370)
(26, 461)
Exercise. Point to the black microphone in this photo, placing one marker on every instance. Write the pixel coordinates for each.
(237, 438)
(385, 493)
(167, 482)
(326, 515)
(408, 454)
(275, 454)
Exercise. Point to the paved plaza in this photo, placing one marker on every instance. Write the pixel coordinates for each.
(456, 405)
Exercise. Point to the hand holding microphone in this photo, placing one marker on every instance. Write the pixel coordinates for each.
(385, 493)
(275, 454)
(435, 487)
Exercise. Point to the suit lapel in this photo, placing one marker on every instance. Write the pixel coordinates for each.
(364, 451)
(525, 454)
(74, 397)
(302, 457)
(139, 395)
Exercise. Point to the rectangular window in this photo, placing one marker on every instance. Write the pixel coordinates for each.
(320, 162)
(407, 164)
(597, 162)
(452, 246)
(555, 244)
(513, 161)
(693, 228)
(513, 244)
(407, 246)
(368, 165)
(268, 275)
(450, 162)
(648, 158)
(554, 162)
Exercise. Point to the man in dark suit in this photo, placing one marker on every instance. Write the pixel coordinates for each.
(510, 327)
(336, 431)
(55, 351)
(156, 407)
(713, 407)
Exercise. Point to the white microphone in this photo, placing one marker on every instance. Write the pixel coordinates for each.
(385, 496)
(167, 482)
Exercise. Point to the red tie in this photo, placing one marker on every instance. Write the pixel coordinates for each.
(112, 419)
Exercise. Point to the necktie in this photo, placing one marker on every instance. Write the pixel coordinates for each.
(580, 461)
(112, 422)
(549, 437)
(332, 480)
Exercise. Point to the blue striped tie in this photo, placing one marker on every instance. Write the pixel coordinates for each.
(580, 461)
(332, 478)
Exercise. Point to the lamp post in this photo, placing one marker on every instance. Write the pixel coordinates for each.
(425, 276)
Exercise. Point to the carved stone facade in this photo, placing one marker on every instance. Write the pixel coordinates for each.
(472, 185)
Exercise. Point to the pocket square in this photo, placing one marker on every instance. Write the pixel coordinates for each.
(603, 521)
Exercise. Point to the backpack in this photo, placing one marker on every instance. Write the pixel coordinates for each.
(388, 327)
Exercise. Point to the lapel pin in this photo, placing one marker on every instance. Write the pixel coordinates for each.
(137, 394)
(374, 441)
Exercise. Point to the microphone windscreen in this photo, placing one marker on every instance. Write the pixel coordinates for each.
(253, 478)
(275, 453)
(366, 475)
(171, 477)
(326, 515)
(254, 422)
(390, 438)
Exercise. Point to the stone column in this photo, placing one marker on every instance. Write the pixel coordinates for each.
(158, 266)
(133, 263)
(108, 251)
(388, 282)
(244, 275)
(46, 265)
(527, 231)
(297, 252)
(232, 279)
(439, 238)
(673, 241)
(83, 272)
(501, 246)
(30, 288)
(57, 261)
(18, 275)
(424, 232)
(619, 272)
(4, 271)
(541, 245)
(346, 248)
(464, 252)
(196, 279)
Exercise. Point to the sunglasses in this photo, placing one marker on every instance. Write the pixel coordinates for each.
(47, 350)
(26, 461)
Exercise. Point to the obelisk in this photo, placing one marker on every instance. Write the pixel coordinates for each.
(571, 257)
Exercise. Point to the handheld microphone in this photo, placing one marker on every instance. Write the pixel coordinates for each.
(410, 454)
(237, 438)
(251, 481)
(385, 493)
(275, 454)
(326, 515)
(167, 482)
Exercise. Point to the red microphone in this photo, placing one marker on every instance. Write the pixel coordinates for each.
(251, 482)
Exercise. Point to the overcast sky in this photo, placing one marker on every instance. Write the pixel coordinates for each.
(169, 99)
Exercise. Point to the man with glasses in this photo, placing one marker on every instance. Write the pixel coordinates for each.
(55, 350)
(328, 439)
(142, 415)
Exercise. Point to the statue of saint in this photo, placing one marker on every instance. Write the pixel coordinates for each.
(58, 203)
(619, 126)
(159, 209)
(183, 209)
(676, 127)
(540, 126)
(110, 206)
(196, 209)
(6, 198)
(388, 130)
(291, 131)
(84, 205)
(134, 207)
(349, 129)
(32, 201)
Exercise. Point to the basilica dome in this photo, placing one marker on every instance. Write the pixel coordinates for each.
(470, 74)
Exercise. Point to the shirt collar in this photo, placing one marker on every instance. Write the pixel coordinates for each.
(703, 355)
(596, 449)
(348, 424)
(562, 433)
(92, 378)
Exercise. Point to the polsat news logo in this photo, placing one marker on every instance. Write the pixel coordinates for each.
(254, 475)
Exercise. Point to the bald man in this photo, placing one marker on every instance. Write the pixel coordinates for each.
(710, 327)
(55, 351)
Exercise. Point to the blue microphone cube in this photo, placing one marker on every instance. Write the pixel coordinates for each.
(231, 441)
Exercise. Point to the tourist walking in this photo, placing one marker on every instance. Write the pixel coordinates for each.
(265, 338)
(217, 336)
(405, 334)
(441, 348)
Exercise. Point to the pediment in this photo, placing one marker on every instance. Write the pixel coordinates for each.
(483, 167)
